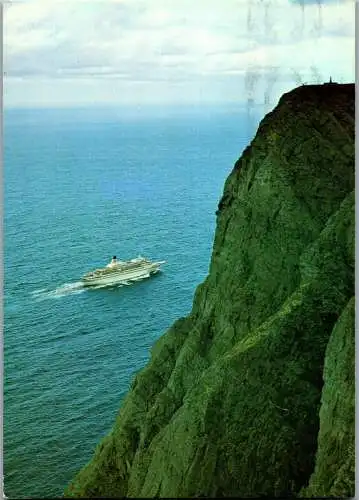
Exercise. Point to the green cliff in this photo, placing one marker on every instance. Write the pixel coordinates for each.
(253, 393)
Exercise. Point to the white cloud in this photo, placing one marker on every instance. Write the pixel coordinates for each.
(203, 44)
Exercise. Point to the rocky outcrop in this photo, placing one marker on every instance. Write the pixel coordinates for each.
(232, 402)
(334, 473)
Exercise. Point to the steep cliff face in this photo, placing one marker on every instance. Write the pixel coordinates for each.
(232, 401)
(334, 473)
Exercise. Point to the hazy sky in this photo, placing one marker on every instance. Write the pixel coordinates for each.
(141, 52)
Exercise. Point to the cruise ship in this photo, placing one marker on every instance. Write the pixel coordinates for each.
(118, 271)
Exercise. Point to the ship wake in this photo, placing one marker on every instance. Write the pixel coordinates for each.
(61, 291)
(78, 287)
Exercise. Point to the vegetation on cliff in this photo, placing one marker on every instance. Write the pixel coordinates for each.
(253, 393)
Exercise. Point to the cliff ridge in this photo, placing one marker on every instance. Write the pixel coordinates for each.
(253, 392)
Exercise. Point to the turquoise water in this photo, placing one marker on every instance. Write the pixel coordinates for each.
(80, 186)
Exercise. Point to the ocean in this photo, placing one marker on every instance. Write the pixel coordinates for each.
(80, 186)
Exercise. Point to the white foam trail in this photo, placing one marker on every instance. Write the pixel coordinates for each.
(78, 287)
(39, 291)
(61, 291)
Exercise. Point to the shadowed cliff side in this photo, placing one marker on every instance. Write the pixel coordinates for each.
(232, 402)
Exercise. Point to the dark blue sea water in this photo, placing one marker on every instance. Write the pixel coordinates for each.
(81, 185)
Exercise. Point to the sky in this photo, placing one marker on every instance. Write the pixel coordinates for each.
(172, 52)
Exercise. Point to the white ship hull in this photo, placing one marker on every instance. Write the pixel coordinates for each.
(117, 275)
